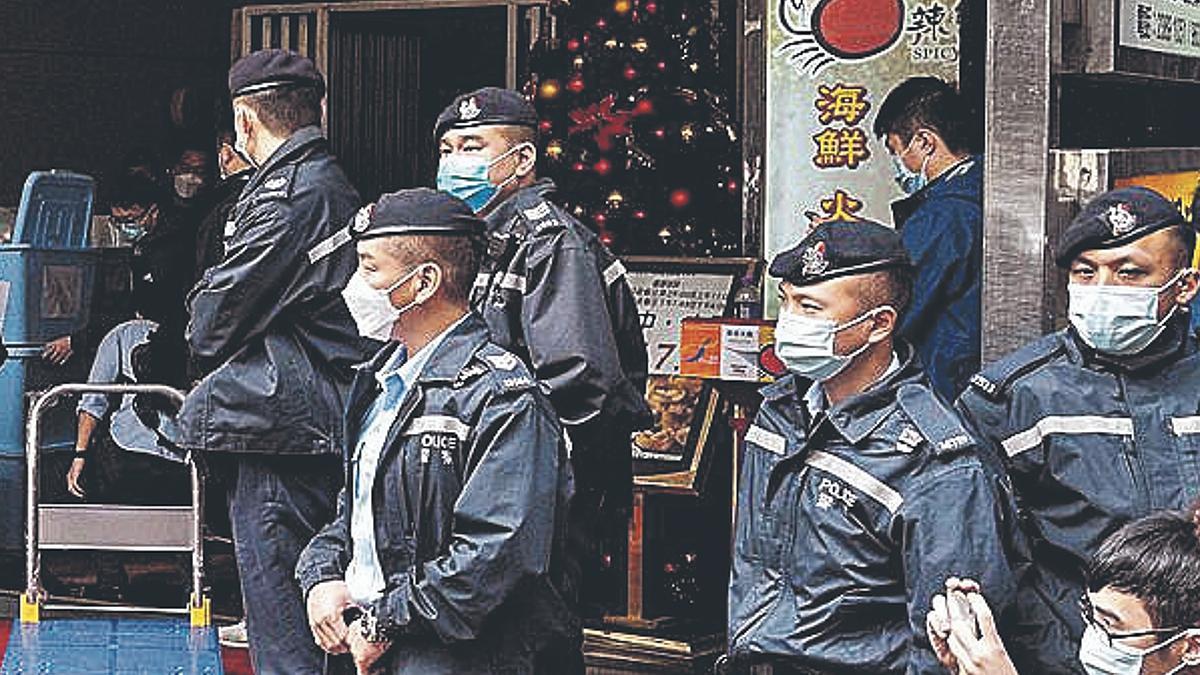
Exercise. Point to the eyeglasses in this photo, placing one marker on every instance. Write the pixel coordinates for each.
(1089, 615)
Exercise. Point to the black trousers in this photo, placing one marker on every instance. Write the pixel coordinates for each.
(276, 505)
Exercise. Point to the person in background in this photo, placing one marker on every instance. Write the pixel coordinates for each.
(1097, 424)
(553, 294)
(235, 173)
(190, 177)
(927, 129)
(1141, 607)
(269, 327)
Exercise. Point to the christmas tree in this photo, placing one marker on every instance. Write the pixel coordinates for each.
(636, 100)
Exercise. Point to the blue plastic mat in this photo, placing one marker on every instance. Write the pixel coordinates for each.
(112, 646)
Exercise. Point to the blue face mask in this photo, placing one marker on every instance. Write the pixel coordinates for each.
(466, 176)
(911, 182)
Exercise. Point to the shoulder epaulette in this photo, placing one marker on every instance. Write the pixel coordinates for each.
(933, 419)
(507, 371)
(279, 184)
(537, 212)
(996, 378)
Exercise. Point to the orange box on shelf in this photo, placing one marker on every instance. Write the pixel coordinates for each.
(740, 350)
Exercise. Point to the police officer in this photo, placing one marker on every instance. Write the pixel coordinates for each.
(274, 335)
(449, 537)
(554, 295)
(860, 492)
(1098, 423)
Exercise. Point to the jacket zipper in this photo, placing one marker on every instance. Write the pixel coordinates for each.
(1128, 453)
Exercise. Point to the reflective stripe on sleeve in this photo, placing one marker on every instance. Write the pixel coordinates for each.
(437, 423)
(768, 440)
(1184, 426)
(857, 478)
(1075, 425)
(613, 272)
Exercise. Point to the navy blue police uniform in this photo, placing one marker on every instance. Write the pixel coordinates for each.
(849, 520)
(470, 494)
(556, 296)
(278, 345)
(1091, 441)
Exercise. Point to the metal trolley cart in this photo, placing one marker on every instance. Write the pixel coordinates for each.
(126, 641)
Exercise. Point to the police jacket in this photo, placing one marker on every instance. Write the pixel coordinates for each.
(470, 503)
(268, 323)
(942, 228)
(848, 524)
(1090, 444)
(553, 294)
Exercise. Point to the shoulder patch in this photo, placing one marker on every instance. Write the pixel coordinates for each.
(278, 185)
(996, 378)
(933, 420)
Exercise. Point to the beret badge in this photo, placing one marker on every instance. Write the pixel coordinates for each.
(468, 109)
(1121, 219)
(813, 260)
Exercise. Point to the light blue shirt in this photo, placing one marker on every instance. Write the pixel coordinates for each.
(364, 576)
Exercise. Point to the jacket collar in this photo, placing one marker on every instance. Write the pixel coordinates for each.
(856, 417)
(523, 198)
(1176, 343)
(448, 358)
(947, 183)
(294, 146)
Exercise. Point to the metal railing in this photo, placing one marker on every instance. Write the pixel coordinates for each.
(198, 605)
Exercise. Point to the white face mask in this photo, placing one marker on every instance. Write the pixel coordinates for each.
(805, 344)
(187, 185)
(1120, 320)
(372, 309)
(1101, 658)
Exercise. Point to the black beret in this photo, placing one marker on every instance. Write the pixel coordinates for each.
(1114, 219)
(837, 249)
(272, 68)
(487, 106)
(415, 211)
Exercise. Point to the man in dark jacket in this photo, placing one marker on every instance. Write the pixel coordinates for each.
(552, 293)
(926, 128)
(1099, 423)
(270, 328)
(860, 491)
(449, 540)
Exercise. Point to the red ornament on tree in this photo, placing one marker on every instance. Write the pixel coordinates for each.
(680, 198)
(545, 126)
(601, 23)
(660, 133)
(602, 167)
(600, 219)
(605, 237)
(662, 65)
(578, 166)
(650, 7)
(630, 72)
(573, 45)
(644, 107)
(575, 84)
(639, 215)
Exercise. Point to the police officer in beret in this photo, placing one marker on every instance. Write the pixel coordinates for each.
(555, 295)
(271, 329)
(1097, 423)
(860, 491)
(446, 554)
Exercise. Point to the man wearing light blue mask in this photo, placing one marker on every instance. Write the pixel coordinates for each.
(1141, 609)
(860, 491)
(1098, 423)
(553, 294)
(926, 128)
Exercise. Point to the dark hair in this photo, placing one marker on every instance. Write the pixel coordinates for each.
(1185, 241)
(285, 110)
(925, 102)
(458, 256)
(1157, 560)
(891, 286)
(135, 189)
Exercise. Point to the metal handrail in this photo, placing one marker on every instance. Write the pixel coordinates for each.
(32, 452)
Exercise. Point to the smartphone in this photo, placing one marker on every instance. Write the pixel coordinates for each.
(960, 610)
